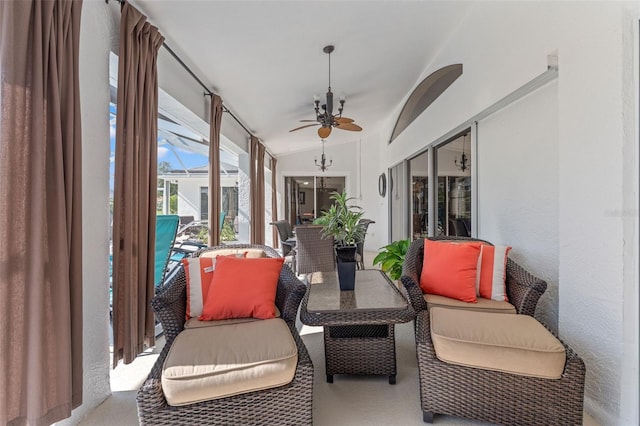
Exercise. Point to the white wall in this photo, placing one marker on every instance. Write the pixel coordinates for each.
(517, 176)
(359, 163)
(189, 196)
(95, 41)
(504, 45)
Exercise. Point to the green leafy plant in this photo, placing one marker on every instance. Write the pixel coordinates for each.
(227, 233)
(391, 257)
(342, 220)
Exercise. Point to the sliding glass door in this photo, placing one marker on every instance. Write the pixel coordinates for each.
(306, 197)
(437, 199)
(454, 187)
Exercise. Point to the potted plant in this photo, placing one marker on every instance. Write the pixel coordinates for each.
(341, 222)
(391, 258)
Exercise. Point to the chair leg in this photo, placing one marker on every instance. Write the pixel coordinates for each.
(427, 416)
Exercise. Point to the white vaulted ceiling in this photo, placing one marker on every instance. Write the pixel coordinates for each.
(265, 58)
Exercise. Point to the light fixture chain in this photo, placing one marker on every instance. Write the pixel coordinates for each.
(329, 70)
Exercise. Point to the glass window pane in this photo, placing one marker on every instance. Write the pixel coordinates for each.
(325, 186)
(306, 197)
(419, 167)
(454, 187)
(397, 194)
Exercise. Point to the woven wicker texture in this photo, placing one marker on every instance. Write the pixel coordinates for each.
(285, 232)
(360, 244)
(491, 396)
(290, 404)
(313, 252)
(523, 289)
(361, 349)
(359, 341)
(494, 396)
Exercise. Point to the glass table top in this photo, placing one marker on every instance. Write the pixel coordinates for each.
(372, 291)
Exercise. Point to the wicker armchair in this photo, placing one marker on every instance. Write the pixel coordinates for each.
(314, 253)
(285, 405)
(360, 244)
(287, 241)
(487, 395)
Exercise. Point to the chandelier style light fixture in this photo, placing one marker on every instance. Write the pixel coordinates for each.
(323, 165)
(324, 113)
(463, 164)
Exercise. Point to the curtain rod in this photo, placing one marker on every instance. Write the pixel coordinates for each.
(195, 77)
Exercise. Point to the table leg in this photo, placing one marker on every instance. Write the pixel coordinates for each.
(392, 379)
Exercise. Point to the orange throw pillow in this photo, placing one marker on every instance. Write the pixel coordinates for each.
(198, 272)
(243, 288)
(449, 269)
(492, 272)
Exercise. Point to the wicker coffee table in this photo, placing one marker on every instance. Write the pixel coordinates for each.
(358, 325)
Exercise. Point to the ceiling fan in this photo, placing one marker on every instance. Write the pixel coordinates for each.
(324, 114)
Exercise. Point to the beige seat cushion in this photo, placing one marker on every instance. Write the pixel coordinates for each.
(483, 305)
(196, 323)
(251, 252)
(516, 344)
(206, 363)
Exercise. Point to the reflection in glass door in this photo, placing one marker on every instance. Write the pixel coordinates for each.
(307, 197)
(454, 187)
(419, 171)
(397, 197)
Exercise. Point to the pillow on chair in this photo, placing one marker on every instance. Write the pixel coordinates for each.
(243, 288)
(450, 269)
(492, 272)
(198, 272)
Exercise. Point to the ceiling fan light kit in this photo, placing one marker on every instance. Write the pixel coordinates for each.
(324, 113)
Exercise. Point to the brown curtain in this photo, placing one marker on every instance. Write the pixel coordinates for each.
(214, 170)
(261, 194)
(41, 218)
(256, 176)
(274, 200)
(253, 183)
(135, 192)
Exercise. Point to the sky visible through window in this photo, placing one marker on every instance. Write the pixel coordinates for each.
(188, 159)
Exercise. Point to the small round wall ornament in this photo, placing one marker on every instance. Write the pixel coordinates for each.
(382, 184)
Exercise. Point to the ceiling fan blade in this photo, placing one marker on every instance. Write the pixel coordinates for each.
(344, 120)
(302, 127)
(324, 132)
(309, 121)
(349, 126)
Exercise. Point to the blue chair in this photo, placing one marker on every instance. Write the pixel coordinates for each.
(166, 229)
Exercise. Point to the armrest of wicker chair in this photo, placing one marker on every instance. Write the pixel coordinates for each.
(170, 304)
(523, 289)
(411, 270)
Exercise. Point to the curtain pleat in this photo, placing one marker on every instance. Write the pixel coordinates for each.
(260, 231)
(135, 186)
(214, 170)
(274, 201)
(256, 185)
(41, 222)
(253, 183)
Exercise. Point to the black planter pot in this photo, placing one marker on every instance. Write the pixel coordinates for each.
(346, 264)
